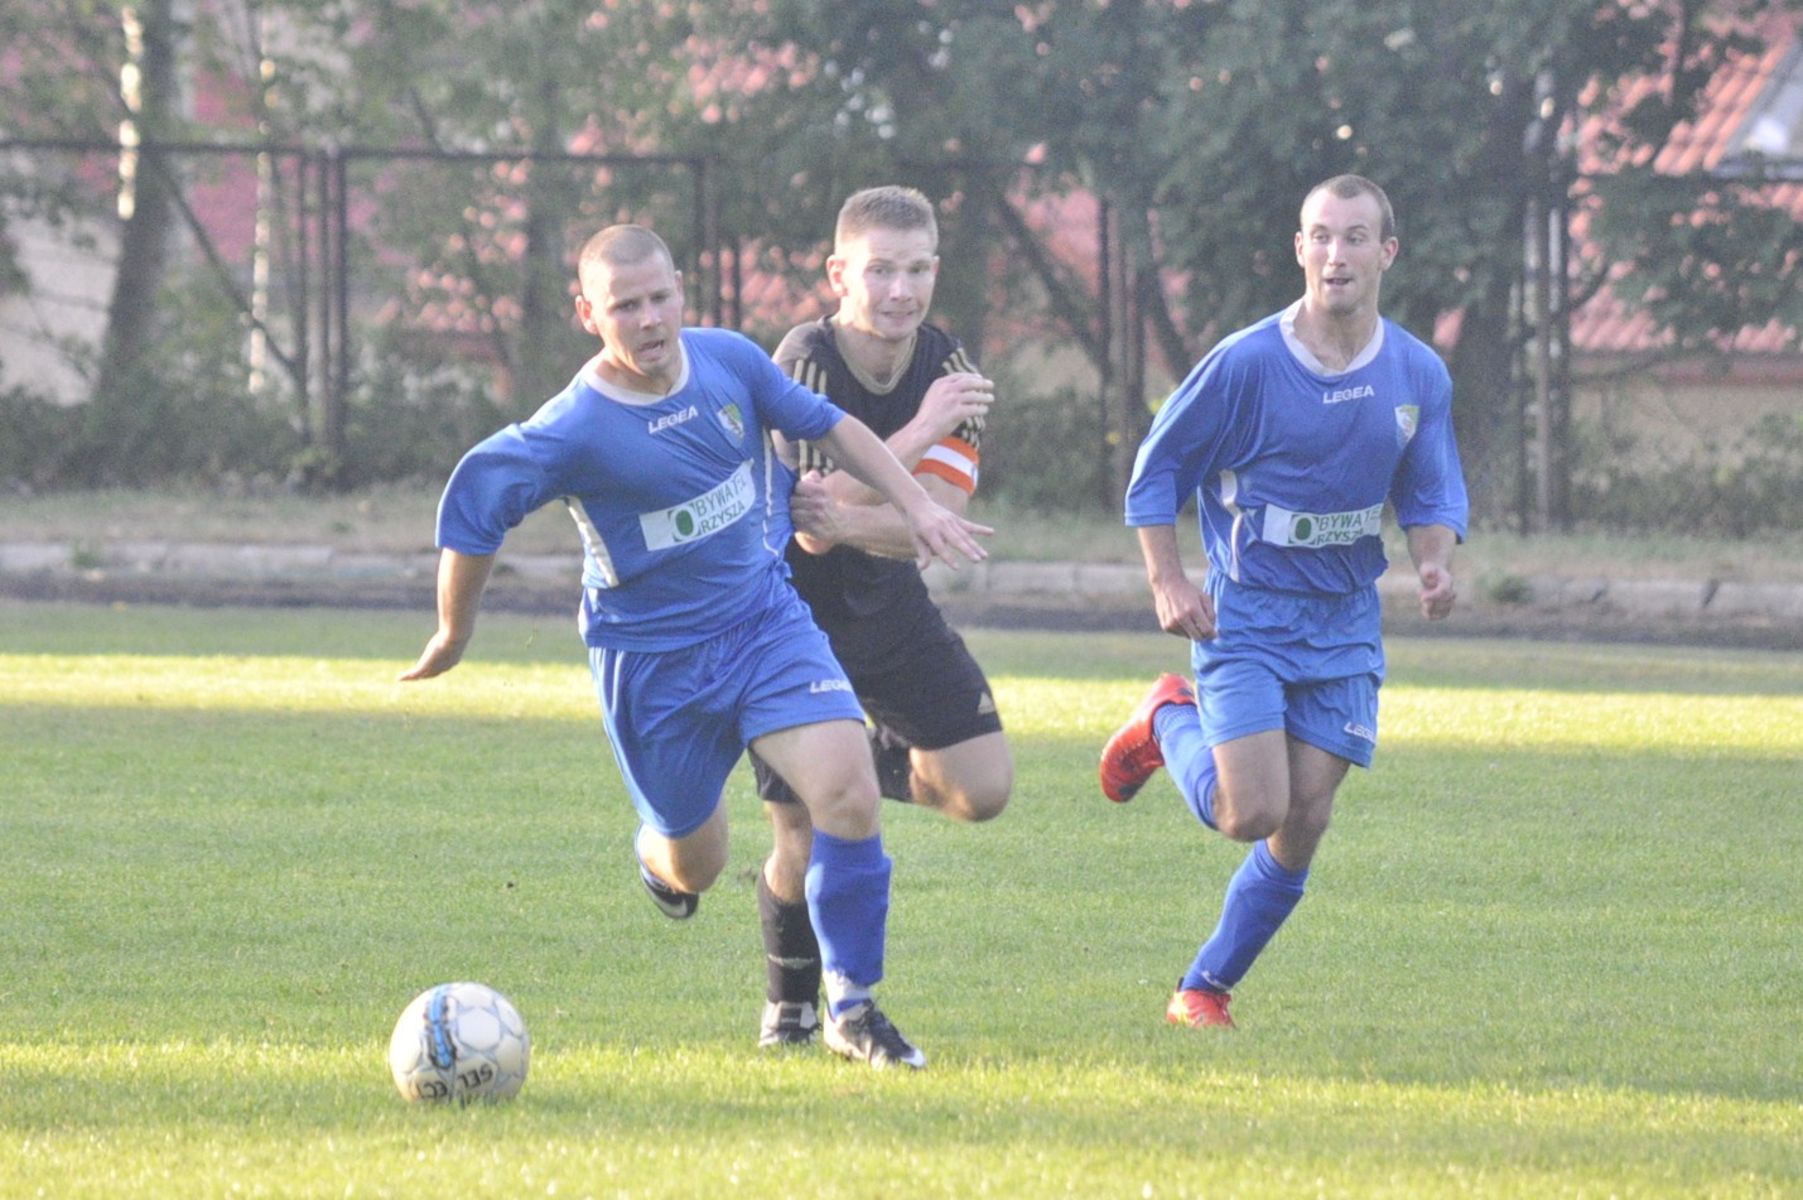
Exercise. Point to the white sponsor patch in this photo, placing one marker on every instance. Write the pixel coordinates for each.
(704, 516)
(1315, 530)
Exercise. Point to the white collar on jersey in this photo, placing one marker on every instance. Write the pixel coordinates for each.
(624, 395)
(1305, 356)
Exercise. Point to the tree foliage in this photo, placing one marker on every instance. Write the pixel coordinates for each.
(1203, 124)
(1197, 125)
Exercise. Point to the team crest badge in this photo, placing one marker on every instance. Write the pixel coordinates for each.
(1407, 416)
(735, 424)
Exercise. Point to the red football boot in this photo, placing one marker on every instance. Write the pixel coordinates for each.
(1196, 1008)
(1132, 754)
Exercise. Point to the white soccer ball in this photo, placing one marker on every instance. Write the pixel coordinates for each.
(459, 1042)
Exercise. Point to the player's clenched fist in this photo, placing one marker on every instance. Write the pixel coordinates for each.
(954, 399)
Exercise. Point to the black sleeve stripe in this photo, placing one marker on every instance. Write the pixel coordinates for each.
(956, 361)
(813, 458)
(812, 376)
(971, 432)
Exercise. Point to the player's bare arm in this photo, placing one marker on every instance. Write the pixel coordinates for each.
(1182, 607)
(823, 521)
(949, 402)
(937, 532)
(461, 578)
(1430, 549)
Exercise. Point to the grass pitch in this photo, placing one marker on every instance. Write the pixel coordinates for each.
(1549, 948)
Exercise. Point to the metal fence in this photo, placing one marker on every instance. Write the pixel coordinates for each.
(323, 273)
(349, 314)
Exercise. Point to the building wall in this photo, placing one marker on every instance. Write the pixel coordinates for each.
(64, 304)
(1669, 420)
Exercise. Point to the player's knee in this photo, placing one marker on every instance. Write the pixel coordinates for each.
(1249, 814)
(845, 806)
(972, 788)
(691, 863)
(786, 878)
(1247, 825)
(977, 804)
(695, 874)
(1251, 809)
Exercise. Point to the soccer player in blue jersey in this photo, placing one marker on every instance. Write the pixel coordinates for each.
(661, 449)
(1293, 434)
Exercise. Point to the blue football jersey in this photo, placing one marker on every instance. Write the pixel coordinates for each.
(682, 513)
(1291, 468)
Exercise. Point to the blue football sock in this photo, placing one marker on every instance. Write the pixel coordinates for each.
(848, 900)
(1260, 897)
(1187, 757)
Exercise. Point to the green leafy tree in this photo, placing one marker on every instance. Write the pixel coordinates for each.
(548, 78)
(1202, 124)
(1194, 125)
(93, 72)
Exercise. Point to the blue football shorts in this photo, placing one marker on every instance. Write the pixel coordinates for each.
(678, 720)
(1307, 664)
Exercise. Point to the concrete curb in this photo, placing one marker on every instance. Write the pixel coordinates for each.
(1095, 584)
(1656, 598)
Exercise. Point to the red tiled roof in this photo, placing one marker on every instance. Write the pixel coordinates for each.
(1605, 325)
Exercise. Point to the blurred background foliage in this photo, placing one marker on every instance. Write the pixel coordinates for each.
(1118, 185)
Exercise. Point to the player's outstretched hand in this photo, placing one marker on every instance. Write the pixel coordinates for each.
(441, 654)
(954, 399)
(1437, 590)
(942, 534)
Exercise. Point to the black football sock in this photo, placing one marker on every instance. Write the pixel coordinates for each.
(791, 953)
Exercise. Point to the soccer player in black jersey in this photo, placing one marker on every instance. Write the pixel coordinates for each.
(937, 738)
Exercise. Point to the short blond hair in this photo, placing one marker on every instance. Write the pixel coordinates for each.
(889, 207)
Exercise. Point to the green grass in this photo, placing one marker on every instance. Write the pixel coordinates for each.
(1550, 947)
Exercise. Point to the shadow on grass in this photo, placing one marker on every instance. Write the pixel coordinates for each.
(1525, 919)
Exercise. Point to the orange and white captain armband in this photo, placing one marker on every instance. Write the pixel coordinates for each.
(954, 459)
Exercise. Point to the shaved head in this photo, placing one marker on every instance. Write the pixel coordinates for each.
(619, 246)
(1349, 187)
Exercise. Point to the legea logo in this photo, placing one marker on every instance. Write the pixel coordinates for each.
(1341, 395)
(671, 421)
